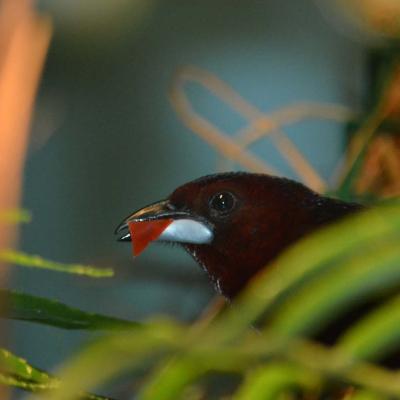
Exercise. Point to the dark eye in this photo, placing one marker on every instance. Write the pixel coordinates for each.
(222, 202)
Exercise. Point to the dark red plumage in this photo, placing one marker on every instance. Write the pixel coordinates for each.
(251, 219)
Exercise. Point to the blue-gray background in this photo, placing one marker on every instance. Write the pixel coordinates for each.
(106, 141)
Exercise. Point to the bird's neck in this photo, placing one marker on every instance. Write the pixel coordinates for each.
(222, 269)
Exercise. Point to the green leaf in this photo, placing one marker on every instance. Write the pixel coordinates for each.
(15, 216)
(170, 380)
(366, 395)
(16, 372)
(270, 381)
(376, 334)
(20, 383)
(33, 261)
(19, 367)
(35, 387)
(320, 301)
(25, 307)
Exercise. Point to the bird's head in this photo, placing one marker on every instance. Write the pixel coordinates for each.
(233, 224)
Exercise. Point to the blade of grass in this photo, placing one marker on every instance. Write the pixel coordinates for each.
(21, 306)
(33, 261)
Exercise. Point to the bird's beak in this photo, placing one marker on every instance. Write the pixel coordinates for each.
(183, 226)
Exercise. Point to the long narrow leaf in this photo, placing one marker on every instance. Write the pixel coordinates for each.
(16, 372)
(35, 387)
(21, 306)
(268, 382)
(17, 366)
(366, 395)
(20, 383)
(33, 261)
(170, 381)
(319, 301)
(376, 334)
(15, 216)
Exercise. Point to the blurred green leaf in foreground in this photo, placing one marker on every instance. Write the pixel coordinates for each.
(305, 289)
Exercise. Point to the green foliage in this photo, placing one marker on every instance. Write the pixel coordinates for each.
(269, 381)
(16, 372)
(305, 289)
(21, 306)
(33, 261)
(15, 216)
(20, 368)
(368, 128)
(376, 334)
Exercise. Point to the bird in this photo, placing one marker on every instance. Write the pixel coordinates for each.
(235, 223)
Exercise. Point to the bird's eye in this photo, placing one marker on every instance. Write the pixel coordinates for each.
(222, 202)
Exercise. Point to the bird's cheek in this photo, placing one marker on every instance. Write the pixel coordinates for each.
(228, 244)
(254, 232)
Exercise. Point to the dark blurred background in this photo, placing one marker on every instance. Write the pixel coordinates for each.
(106, 139)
